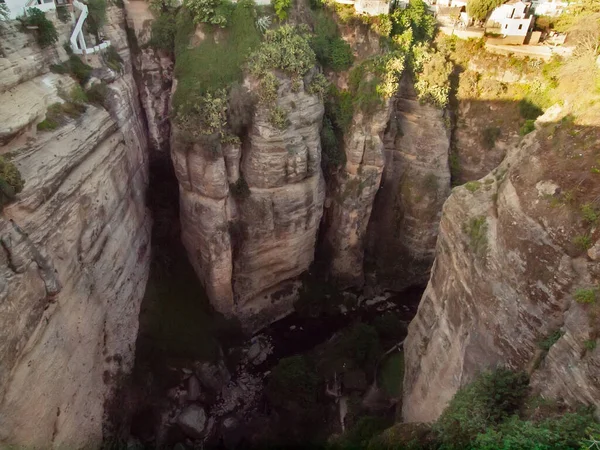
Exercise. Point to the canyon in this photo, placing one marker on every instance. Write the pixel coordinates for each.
(261, 222)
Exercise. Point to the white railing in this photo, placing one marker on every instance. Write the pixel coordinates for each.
(77, 39)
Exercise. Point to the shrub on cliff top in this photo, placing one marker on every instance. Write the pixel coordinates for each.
(485, 402)
(285, 48)
(375, 80)
(11, 182)
(330, 49)
(45, 33)
(212, 66)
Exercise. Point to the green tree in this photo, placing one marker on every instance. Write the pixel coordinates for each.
(416, 18)
(164, 29)
(479, 9)
(96, 17)
(281, 8)
(46, 34)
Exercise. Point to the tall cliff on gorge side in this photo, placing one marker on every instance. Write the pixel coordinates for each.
(385, 195)
(75, 241)
(352, 188)
(251, 198)
(153, 65)
(516, 276)
(403, 230)
(515, 280)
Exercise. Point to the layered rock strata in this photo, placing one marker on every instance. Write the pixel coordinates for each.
(75, 250)
(249, 245)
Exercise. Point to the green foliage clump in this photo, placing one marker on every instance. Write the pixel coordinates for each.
(528, 110)
(11, 182)
(586, 296)
(112, 58)
(590, 213)
(472, 186)
(361, 344)
(214, 12)
(240, 189)
(164, 29)
(45, 33)
(527, 127)
(319, 85)
(476, 229)
(485, 402)
(563, 432)
(337, 119)
(287, 49)
(80, 70)
(382, 25)
(489, 137)
(59, 114)
(97, 94)
(278, 117)
(74, 66)
(293, 386)
(160, 7)
(375, 80)
(206, 71)
(551, 340)
(582, 241)
(479, 9)
(433, 78)
(590, 344)
(414, 23)
(330, 49)
(360, 434)
(96, 17)
(392, 374)
(281, 8)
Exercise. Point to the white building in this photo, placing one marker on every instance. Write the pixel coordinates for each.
(548, 7)
(513, 18)
(18, 7)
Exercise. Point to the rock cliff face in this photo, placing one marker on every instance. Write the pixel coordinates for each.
(505, 278)
(248, 248)
(154, 73)
(75, 250)
(355, 190)
(402, 233)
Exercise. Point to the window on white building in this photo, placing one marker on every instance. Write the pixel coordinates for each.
(521, 27)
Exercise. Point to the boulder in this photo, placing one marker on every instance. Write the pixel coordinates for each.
(192, 421)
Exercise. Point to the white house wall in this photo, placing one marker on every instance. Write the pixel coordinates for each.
(515, 27)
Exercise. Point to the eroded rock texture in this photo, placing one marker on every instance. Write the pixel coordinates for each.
(154, 73)
(404, 224)
(503, 280)
(248, 248)
(352, 201)
(74, 251)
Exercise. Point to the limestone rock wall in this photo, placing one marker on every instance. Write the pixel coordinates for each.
(403, 229)
(352, 200)
(154, 76)
(249, 248)
(74, 251)
(504, 279)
